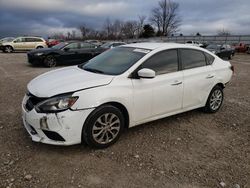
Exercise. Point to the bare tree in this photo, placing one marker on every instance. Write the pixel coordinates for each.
(129, 29)
(108, 27)
(141, 22)
(165, 17)
(84, 31)
(223, 32)
(117, 28)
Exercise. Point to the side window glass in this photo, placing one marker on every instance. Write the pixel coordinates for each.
(192, 58)
(210, 58)
(19, 40)
(86, 45)
(72, 46)
(29, 40)
(163, 62)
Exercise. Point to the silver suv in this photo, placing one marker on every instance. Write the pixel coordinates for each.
(22, 43)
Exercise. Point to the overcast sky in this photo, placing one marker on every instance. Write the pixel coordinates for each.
(44, 17)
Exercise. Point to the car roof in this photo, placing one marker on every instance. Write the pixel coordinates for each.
(154, 45)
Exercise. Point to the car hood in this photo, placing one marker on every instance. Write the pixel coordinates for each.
(66, 80)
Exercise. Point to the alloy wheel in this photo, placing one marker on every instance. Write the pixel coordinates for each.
(50, 61)
(106, 128)
(216, 99)
(8, 49)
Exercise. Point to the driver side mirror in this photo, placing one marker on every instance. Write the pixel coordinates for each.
(146, 73)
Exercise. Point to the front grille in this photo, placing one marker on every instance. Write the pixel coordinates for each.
(32, 101)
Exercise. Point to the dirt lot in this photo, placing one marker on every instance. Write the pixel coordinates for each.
(193, 149)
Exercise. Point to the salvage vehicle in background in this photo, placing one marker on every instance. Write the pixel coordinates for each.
(121, 88)
(68, 53)
(109, 45)
(194, 43)
(95, 42)
(22, 44)
(223, 51)
(241, 47)
(53, 42)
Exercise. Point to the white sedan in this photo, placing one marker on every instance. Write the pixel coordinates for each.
(121, 88)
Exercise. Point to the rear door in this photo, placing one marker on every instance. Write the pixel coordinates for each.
(198, 77)
(30, 43)
(162, 94)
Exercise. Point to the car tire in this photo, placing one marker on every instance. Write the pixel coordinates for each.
(50, 61)
(230, 56)
(215, 100)
(8, 49)
(103, 127)
(39, 47)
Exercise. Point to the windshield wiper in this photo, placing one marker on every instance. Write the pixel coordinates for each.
(93, 70)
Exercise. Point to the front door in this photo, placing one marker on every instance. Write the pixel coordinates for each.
(70, 54)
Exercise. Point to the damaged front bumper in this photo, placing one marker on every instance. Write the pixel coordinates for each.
(63, 128)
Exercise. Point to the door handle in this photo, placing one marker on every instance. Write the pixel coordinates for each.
(176, 83)
(209, 76)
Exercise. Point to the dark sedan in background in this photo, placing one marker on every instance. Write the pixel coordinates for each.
(223, 51)
(69, 53)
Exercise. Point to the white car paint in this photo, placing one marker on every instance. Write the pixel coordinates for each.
(144, 99)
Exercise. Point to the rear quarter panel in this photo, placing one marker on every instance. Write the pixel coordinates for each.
(222, 70)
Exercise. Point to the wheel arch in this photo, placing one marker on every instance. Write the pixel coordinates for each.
(220, 85)
(123, 109)
(118, 105)
(9, 46)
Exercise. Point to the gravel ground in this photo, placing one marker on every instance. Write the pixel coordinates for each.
(192, 149)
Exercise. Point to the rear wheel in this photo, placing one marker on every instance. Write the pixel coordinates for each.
(50, 61)
(39, 47)
(215, 100)
(8, 49)
(103, 127)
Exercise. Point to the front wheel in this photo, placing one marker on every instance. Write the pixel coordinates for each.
(8, 49)
(50, 61)
(215, 100)
(103, 127)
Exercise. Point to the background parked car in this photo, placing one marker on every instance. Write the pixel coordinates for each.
(195, 43)
(74, 52)
(95, 42)
(53, 42)
(23, 43)
(223, 51)
(241, 47)
(109, 45)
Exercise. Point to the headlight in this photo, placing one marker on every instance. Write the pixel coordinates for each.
(56, 104)
(39, 54)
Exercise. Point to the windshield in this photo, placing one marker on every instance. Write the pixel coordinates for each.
(60, 45)
(8, 39)
(213, 46)
(115, 61)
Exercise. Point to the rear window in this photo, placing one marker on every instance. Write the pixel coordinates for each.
(192, 58)
(209, 58)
